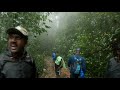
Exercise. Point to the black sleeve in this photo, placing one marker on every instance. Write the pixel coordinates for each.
(35, 74)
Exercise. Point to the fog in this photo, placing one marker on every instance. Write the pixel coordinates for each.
(57, 25)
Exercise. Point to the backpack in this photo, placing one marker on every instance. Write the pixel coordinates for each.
(77, 65)
(58, 60)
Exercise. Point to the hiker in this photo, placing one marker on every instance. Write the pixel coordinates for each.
(59, 64)
(54, 56)
(113, 66)
(77, 65)
(15, 62)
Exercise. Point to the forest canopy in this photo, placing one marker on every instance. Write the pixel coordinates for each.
(96, 33)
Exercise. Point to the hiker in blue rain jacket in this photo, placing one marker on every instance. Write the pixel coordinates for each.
(54, 56)
(77, 65)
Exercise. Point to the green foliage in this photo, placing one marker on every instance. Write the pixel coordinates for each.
(94, 33)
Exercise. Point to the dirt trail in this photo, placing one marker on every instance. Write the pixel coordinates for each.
(49, 71)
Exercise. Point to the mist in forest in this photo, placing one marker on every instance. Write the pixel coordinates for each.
(58, 24)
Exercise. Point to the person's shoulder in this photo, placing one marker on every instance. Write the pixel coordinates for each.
(59, 57)
(113, 58)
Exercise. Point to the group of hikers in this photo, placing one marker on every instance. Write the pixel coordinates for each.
(15, 62)
(76, 64)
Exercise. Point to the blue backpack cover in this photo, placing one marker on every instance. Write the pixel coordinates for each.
(77, 67)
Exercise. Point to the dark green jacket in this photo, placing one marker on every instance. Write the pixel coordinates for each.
(23, 67)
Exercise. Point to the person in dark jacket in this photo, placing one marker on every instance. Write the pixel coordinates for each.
(15, 62)
(113, 66)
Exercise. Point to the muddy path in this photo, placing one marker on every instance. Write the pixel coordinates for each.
(49, 70)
